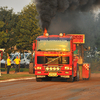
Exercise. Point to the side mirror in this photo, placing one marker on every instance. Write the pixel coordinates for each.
(74, 47)
(33, 46)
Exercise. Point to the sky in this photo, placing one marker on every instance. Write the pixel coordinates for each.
(17, 5)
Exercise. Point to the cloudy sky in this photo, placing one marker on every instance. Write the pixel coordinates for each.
(17, 5)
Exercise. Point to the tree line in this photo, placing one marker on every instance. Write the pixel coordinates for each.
(19, 29)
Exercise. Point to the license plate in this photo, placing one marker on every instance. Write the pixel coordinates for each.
(52, 74)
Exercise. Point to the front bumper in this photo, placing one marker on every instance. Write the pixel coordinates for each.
(54, 74)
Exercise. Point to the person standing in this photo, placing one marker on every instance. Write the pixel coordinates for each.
(8, 64)
(17, 62)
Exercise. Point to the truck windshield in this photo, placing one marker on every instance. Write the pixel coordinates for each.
(53, 45)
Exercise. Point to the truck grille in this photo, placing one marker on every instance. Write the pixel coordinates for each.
(52, 60)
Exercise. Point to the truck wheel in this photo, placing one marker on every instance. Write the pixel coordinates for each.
(47, 79)
(39, 79)
(71, 79)
(77, 76)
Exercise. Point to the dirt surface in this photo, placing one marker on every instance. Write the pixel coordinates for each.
(57, 89)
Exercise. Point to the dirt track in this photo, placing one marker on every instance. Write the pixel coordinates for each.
(51, 90)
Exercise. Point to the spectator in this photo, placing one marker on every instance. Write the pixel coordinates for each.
(8, 64)
(17, 62)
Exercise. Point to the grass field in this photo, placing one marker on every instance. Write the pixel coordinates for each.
(13, 69)
(11, 76)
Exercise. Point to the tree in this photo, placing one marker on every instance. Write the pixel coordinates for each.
(27, 28)
(3, 35)
(7, 22)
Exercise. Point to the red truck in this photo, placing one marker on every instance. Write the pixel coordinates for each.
(54, 57)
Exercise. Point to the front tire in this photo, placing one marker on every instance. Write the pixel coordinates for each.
(71, 79)
(48, 79)
(39, 79)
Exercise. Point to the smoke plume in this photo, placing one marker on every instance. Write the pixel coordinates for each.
(47, 9)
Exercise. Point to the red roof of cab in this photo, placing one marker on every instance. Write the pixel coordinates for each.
(66, 36)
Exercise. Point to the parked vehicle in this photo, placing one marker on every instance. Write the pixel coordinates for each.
(25, 59)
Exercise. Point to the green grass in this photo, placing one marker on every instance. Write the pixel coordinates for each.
(13, 69)
(15, 76)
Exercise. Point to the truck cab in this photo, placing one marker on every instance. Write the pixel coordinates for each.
(54, 57)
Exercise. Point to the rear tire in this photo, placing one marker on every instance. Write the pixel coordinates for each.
(77, 76)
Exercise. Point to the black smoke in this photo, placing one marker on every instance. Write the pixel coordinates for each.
(47, 9)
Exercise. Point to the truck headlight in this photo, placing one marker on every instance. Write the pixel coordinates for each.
(47, 34)
(39, 68)
(66, 67)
